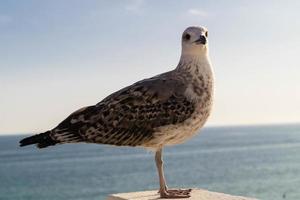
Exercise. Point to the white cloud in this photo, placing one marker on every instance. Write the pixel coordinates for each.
(197, 12)
(135, 5)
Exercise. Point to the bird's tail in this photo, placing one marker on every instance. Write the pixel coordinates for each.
(41, 140)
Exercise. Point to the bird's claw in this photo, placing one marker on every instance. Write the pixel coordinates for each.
(175, 193)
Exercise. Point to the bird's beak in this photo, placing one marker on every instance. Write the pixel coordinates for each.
(202, 40)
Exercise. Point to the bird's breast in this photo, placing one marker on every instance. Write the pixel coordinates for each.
(200, 91)
(179, 133)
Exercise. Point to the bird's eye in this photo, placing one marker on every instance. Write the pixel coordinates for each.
(187, 36)
(206, 33)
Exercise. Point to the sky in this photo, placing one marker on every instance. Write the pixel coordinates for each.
(59, 55)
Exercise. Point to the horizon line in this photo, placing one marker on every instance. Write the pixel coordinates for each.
(205, 127)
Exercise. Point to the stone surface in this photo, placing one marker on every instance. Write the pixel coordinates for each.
(197, 194)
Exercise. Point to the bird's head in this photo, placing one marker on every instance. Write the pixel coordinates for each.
(195, 41)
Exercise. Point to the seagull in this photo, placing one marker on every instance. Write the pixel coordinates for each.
(163, 110)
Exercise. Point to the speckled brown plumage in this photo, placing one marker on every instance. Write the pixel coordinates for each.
(129, 116)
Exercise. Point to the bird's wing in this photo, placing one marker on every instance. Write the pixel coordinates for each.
(129, 116)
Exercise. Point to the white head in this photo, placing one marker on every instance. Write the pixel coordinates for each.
(194, 41)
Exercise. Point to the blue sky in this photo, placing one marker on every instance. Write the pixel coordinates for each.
(59, 55)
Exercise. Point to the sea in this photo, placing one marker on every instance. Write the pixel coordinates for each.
(254, 161)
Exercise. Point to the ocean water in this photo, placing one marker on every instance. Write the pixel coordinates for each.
(261, 162)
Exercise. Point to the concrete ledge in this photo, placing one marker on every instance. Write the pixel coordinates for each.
(196, 194)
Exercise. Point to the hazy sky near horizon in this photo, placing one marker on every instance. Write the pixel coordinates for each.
(58, 55)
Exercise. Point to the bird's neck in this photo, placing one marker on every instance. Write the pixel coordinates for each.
(195, 64)
(199, 75)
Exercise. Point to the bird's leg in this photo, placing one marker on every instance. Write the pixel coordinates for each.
(163, 190)
(159, 165)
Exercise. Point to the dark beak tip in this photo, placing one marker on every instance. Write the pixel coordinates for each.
(201, 40)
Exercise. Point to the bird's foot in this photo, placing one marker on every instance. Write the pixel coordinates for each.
(175, 190)
(175, 193)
